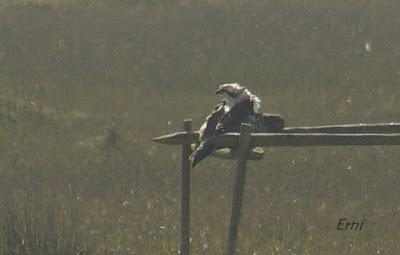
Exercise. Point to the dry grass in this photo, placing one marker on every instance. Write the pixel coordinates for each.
(84, 86)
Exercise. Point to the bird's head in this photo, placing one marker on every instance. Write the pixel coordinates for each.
(234, 93)
(233, 90)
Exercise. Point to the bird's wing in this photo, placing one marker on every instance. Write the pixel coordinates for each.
(209, 126)
(267, 123)
(208, 130)
(219, 122)
(238, 114)
(205, 149)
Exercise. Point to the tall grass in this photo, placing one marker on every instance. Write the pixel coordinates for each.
(85, 85)
(37, 224)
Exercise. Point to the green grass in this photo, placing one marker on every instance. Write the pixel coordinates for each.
(85, 85)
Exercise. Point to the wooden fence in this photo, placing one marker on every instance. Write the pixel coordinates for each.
(241, 147)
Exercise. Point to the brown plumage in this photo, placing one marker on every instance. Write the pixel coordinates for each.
(209, 129)
(219, 122)
(239, 106)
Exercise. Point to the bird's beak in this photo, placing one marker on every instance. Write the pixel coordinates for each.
(219, 91)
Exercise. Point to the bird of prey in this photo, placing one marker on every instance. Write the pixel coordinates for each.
(238, 106)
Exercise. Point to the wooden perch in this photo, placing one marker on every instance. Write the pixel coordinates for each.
(238, 146)
(334, 135)
(257, 153)
(184, 138)
(348, 129)
(178, 138)
(268, 139)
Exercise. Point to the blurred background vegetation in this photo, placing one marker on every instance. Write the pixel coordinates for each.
(85, 85)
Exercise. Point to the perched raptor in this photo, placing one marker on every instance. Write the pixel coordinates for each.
(238, 106)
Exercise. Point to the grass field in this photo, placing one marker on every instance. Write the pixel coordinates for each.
(85, 85)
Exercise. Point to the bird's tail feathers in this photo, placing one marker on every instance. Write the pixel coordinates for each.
(205, 148)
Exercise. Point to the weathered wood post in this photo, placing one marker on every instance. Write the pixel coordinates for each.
(185, 192)
(238, 189)
(332, 135)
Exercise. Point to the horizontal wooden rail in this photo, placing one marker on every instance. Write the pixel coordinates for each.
(254, 154)
(178, 138)
(385, 128)
(271, 139)
(379, 128)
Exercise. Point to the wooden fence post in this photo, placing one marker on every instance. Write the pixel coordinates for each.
(185, 192)
(332, 135)
(237, 198)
